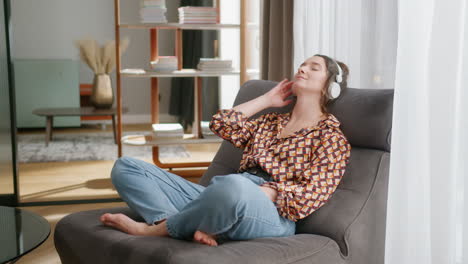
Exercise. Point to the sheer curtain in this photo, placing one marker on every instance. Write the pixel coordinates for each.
(361, 33)
(427, 64)
(427, 216)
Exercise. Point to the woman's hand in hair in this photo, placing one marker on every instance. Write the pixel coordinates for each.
(273, 98)
(277, 96)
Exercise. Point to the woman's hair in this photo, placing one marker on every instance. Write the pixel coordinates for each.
(332, 71)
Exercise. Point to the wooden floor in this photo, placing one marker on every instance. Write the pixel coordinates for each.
(52, 181)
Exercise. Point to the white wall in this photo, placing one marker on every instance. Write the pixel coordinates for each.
(47, 29)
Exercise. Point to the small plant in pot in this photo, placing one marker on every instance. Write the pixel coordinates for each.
(101, 60)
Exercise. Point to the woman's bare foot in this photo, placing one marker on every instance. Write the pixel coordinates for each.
(129, 226)
(204, 238)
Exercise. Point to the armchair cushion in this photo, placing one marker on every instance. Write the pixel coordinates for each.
(118, 247)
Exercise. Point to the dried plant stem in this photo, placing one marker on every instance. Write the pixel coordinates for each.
(100, 59)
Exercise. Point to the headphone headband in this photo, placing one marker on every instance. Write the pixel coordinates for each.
(335, 88)
(339, 77)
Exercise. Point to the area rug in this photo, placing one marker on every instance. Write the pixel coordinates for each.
(86, 146)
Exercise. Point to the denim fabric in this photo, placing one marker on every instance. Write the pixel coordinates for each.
(232, 207)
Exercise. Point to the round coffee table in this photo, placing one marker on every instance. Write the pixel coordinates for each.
(20, 232)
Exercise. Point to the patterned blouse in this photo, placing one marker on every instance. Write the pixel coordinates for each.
(306, 166)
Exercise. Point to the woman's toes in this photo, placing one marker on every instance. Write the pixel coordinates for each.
(204, 238)
(103, 217)
(107, 219)
(197, 236)
(213, 242)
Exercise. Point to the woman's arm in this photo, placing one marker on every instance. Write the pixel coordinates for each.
(234, 125)
(273, 98)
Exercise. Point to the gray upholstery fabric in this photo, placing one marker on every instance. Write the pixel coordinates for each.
(365, 116)
(350, 228)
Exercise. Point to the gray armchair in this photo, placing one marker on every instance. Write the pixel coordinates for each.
(350, 228)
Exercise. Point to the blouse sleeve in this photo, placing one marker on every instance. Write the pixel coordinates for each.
(234, 126)
(296, 200)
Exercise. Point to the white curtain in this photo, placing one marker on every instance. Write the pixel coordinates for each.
(427, 64)
(360, 33)
(427, 211)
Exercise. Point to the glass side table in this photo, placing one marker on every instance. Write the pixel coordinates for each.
(21, 231)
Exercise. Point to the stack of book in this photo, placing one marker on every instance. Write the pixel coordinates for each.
(153, 11)
(206, 131)
(134, 139)
(168, 131)
(164, 63)
(214, 64)
(198, 15)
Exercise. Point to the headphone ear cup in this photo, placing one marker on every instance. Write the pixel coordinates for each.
(334, 90)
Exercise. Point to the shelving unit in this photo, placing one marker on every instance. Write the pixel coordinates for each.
(196, 136)
(180, 73)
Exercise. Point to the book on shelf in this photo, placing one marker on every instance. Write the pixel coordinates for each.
(133, 71)
(161, 3)
(164, 63)
(198, 15)
(197, 8)
(168, 131)
(215, 65)
(195, 15)
(211, 70)
(153, 11)
(197, 22)
(206, 131)
(215, 60)
(134, 139)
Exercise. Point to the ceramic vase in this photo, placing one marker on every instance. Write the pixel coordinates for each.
(102, 95)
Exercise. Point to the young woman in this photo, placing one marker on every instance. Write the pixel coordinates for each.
(303, 154)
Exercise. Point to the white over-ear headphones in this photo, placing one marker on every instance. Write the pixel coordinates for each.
(334, 89)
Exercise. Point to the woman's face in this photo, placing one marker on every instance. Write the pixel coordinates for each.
(310, 76)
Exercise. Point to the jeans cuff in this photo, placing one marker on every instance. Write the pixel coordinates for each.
(222, 237)
(172, 230)
(154, 219)
(160, 217)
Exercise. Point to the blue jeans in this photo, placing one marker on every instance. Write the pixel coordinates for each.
(232, 207)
